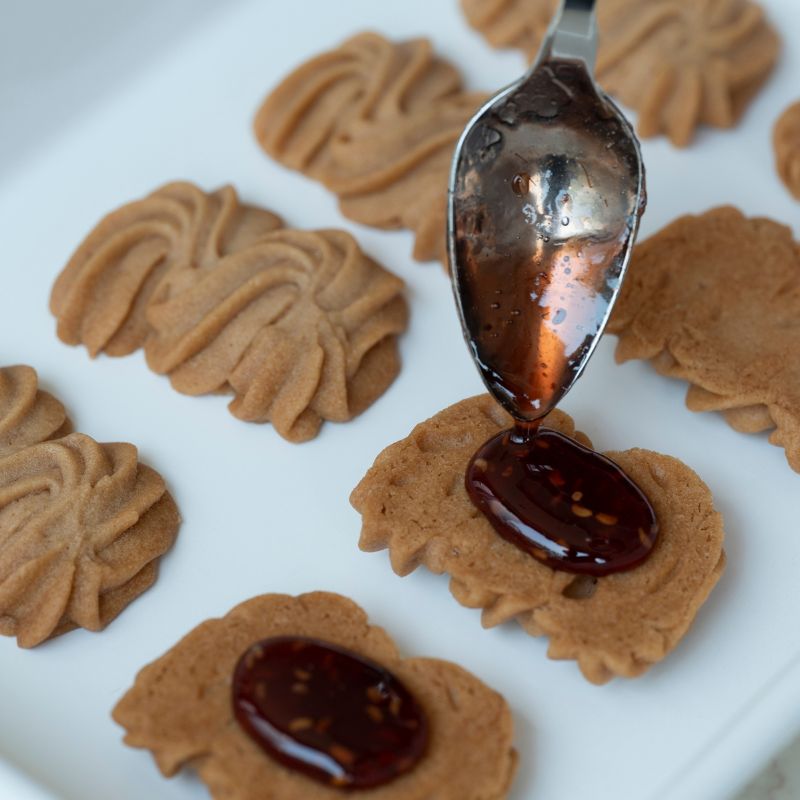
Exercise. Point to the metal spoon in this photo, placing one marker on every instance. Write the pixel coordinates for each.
(546, 191)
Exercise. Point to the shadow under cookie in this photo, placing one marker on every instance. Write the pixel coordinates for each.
(414, 503)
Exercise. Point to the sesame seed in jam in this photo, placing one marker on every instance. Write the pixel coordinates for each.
(329, 713)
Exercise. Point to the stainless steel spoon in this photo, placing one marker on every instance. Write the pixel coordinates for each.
(546, 191)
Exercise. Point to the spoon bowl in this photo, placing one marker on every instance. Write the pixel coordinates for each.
(546, 192)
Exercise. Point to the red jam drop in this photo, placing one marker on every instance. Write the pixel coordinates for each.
(327, 712)
(562, 503)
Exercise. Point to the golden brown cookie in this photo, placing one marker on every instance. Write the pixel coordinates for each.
(413, 501)
(82, 525)
(678, 63)
(786, 139)
(136, 253)
(376, 121)
(714, 299)
(180, 709)
(28, 415)
(300, 326)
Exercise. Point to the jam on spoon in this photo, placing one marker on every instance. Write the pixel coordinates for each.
(334, 715)
(546, 192)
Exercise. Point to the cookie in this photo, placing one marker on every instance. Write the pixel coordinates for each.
(714, 299)
(82, 525)
(299, 326)
(136, 253)
(376, 122)
(678, 63)
(28, 415)
(786, 140)
(180, 708)
(414, 503)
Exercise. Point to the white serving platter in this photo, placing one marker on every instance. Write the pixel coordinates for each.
(262, 515)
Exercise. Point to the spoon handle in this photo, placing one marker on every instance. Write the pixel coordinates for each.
(572, 35)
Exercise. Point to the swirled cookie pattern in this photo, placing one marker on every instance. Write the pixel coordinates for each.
(376, 121)
(413, 502)
(82, 525)
(714, 299)
(786, 139)
(28, 415)
(678, 63)
(145, 251)
(299, 326)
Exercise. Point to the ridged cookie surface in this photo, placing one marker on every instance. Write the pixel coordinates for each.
(300, 326)
(80, 523)
(376, 121)
(28, 415)
(678, 63)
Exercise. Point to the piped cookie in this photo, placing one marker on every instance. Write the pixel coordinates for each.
(376, 122)
(299, 326)
(678, 63)
(28, 415)
(82, 524)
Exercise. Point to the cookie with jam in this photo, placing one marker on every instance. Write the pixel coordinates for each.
(616, 618)
(300, 698)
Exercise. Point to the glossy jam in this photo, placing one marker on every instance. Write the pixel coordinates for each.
(562, 503)
(331, 714)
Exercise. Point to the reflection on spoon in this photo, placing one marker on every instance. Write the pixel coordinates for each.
(547, 190)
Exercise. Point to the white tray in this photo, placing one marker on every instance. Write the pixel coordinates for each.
(262, 515)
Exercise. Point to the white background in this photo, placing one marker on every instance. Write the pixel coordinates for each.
(98, 107)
